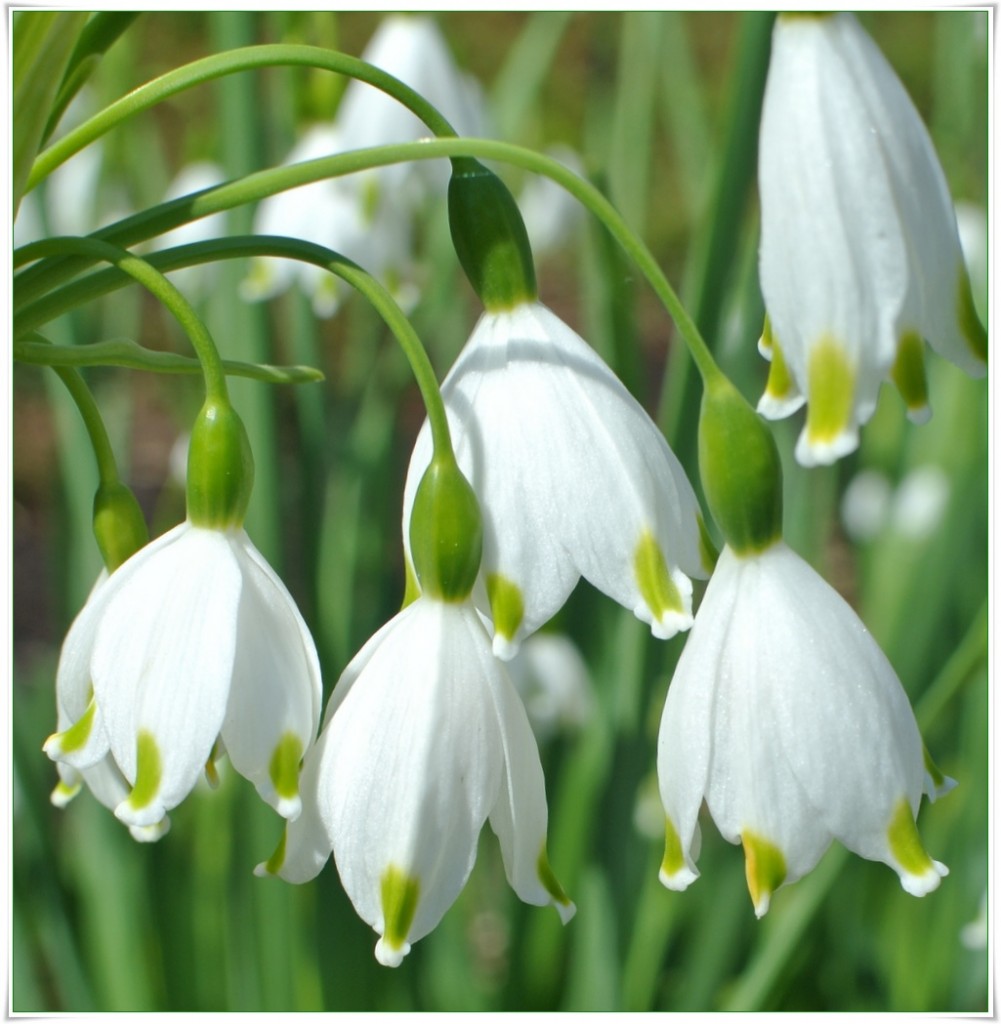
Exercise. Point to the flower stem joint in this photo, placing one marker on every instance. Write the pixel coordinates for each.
(740, 469)
(220, 468)
(446, 532)
(489, 237)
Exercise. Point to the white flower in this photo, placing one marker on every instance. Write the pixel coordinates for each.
(573, 479)
(788, 720)
(425, 740)
(195, 281)
(191, 646)
(860, 255)
(554, 682)
(370, 216)
(550, 213)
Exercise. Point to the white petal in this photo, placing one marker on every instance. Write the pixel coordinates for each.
(304, 847)
(163, 661)
(412, 766)
(520, 816)
(274, 700)
(88, 744)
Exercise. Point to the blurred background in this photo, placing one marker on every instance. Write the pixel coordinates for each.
(660, 111)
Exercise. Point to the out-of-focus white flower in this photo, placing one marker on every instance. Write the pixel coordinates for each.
(913, 509)
(554, 682)
(424, 740)
(550, 212)
(788, 720)
(66, 203)
(192, 646)
(974, 935)
(921, 501)
(860, 254)
(369, 216)
(865, 505)
(194, 281)
(572, 476)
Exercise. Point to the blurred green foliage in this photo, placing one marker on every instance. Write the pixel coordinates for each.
(660, 106)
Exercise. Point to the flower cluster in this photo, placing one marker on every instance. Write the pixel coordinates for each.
(537, 467)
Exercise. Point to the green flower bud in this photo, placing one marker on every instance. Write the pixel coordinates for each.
(446, 532)
(220, 468)
(490, 237)
(740, 469)
(119, 526)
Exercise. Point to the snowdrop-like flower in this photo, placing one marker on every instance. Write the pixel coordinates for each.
(192, 646)
(425, 739)
(573, 479)
(788, 720)
(369, 217)
(860, 255)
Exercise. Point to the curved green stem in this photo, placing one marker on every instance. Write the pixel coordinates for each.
(158, 285)
(130, 355)
(237, 247)
(243, 59)
(35, 281)
(107, 467)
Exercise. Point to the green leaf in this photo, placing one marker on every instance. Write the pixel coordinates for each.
(43, 41)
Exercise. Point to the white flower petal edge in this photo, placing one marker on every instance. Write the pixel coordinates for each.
(787, 719)
(80, 741)
(425, 740)
(573, 478)
(270, 719)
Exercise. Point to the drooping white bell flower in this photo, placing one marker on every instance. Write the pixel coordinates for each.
(860, 254)
(425, 739)
(193, 645)
(369, 216)
(572, 476)
(788, 720)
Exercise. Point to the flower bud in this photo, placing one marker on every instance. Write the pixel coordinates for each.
(119, 526)
(446, 532)
(740, 469)
(489, 237)
(220, 467)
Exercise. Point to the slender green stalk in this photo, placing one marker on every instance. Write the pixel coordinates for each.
(107, 467)
(35, 281)
(243, 59)
(128, 354)
(264, 245)
(158, 285)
